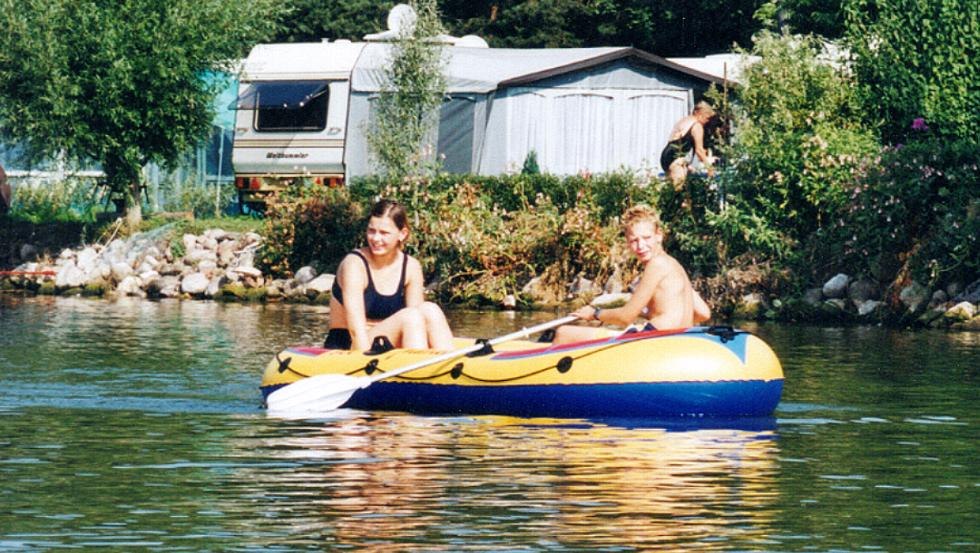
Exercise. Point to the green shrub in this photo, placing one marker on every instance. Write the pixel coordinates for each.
(311, 225)
(800, 141)
(916, 214)
(69, 200)
(190, 196)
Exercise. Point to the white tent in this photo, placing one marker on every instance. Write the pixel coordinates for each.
(578, 109)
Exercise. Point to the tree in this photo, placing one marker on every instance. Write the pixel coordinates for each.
(314, 20)
(120, 82)
(407, 108)
(917, 59)
(666, 28)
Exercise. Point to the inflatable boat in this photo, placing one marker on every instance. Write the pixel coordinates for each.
(695, 372)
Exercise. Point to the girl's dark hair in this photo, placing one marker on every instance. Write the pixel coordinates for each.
(393, 210)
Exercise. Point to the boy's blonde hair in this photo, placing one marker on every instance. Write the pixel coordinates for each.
(641, 213)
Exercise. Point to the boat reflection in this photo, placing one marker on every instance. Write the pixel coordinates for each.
(360, 481)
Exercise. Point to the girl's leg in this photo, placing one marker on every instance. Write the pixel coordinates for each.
(440, 336)
(405, 329)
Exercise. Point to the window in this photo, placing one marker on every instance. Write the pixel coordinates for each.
(285, 106)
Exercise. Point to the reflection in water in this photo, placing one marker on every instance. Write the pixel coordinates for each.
(417, 480)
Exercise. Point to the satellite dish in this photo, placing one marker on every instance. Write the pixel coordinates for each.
(401, 18)
(472, 41)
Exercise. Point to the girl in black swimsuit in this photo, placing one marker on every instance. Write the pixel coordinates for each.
(379, 292)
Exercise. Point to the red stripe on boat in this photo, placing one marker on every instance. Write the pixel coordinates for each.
(625, 337)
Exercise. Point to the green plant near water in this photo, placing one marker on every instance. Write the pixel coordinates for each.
(801, 139)
(69, 200)
(915, 214)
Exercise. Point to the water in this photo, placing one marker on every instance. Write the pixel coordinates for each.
(135, 426)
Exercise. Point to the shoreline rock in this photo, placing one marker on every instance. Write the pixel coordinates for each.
(220, 265)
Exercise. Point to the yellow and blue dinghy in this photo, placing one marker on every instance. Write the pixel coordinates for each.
(699, 371)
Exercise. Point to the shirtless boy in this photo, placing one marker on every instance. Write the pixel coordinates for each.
(664, 294)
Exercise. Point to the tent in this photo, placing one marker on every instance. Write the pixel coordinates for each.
(579, 109)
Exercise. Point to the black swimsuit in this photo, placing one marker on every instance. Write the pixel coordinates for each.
(377, 306)
(677, 149)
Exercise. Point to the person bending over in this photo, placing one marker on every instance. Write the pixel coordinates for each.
(379, 292)
(664, 294)
(687, 135)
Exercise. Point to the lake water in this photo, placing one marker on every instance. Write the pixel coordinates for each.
(135, 426)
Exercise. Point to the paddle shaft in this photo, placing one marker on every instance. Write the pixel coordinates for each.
(449, 355)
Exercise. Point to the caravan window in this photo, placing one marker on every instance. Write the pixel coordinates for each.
(284, 106)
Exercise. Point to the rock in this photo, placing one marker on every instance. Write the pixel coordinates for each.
(751, 306)
(85, 260)
(194, 284)
(971, 294)
(208, 243)
(961, 312)
(190, 243)
(198, 255)
(615, 283)
(69, 276)
(131, 286)
(214, 286)
(167, 286)
(914, 296)
(610, 301)
(868, 307)
(226, 252)
(207, 266)
(216, 234)
(972, 324)
(931, 317)
(836, 287)
(28, 252)
(938, 298)
(813, 296)
(120, 271)
(246, 271)
(66, 253)
(246, 259)
(953, 289)
(320, 285)
(862, 290)
(305, 274)
(252, 238)
(580, 285)
(835, 305)
(509, 302)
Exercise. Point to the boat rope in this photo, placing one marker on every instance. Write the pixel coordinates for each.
(724, 333)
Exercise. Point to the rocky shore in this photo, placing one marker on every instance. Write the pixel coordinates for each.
(220, 265)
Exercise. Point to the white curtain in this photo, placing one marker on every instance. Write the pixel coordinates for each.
(591, 130)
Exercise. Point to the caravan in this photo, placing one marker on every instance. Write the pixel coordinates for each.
(303, 110)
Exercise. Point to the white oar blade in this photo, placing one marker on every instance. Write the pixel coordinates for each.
(320, 393)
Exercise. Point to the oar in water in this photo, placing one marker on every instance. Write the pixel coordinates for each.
(326, 392)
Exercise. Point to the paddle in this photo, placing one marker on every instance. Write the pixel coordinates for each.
(326, 392)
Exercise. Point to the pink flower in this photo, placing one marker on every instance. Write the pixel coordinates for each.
(919, 124)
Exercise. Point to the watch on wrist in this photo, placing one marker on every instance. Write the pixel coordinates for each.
(595, 313)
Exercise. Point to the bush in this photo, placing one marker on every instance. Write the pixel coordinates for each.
(203, 201)
(70, 200)
(800, 141)
(916, 214)
(311, 225)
